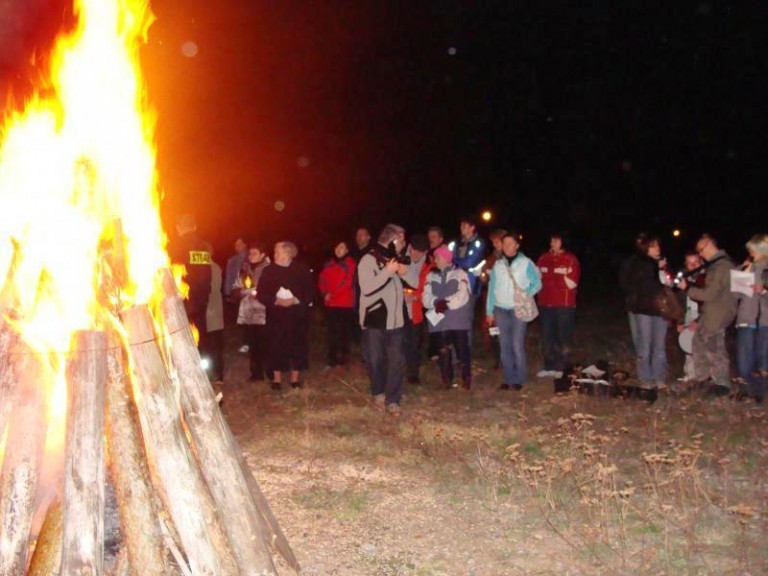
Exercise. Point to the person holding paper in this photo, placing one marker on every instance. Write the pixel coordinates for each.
(447, 298)
(752, 321)
(718, 311)
(286, 289)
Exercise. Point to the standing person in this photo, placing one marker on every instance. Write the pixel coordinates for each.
(513, 268)
(232, 271)
(491, 343)
(287, 289)
(413, 286)
(189, 250)
(381, 317)
(469, 254)
(691, 262)
(643, 290)
(336, 286)
(752, 321)
(363, 244)
(718, 310)
(252, 314)
(214, 323)
(436, 238)
(447, 295)
(560, 276)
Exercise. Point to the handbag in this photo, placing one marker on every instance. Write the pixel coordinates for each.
(525, 306)
(668, 306)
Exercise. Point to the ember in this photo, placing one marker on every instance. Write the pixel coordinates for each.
(94, 341)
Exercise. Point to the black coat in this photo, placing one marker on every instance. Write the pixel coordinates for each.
(641, 285)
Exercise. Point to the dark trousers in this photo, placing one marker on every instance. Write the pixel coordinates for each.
(255, 338)
(383, 356)
(341, 326)
(212, 347)
(459, 340)
(557, 335)
(413, 340)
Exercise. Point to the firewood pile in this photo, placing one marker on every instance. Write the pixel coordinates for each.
(143, 417)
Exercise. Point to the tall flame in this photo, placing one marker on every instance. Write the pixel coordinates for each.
(80, 232)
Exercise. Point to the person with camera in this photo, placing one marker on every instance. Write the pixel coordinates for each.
(694, 273)
(718, 311)
(382, 316)
(643, 292)
(447, 296)
(512, 274)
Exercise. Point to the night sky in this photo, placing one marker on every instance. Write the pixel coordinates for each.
(601, 118)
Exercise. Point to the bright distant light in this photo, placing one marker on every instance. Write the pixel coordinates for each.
(486, 216)
(676, 233)
(189, 49)
(452, 51)
(205, 363)
(279, 205)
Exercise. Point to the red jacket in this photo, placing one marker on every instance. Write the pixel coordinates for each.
(417, 309)
(555, 268)
(337, 280)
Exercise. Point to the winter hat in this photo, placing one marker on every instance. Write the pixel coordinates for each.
(419, 242)
(444, 252)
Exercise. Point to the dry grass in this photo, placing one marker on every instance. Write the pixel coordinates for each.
(491, 482)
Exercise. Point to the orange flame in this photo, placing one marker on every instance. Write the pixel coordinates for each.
(80, 232)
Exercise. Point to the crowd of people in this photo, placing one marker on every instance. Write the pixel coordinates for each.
(391, 293)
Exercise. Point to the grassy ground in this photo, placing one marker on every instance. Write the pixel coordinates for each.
(489, 482)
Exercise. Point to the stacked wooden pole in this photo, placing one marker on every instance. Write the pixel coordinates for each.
(188, 503)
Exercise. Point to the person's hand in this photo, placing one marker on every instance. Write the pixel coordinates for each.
(285, 302)
(326, 298)
(682, 285)
(758, 288)
(663, 263)
(562, 270)
(392, 266)
(441, 306)
(402, 269)
(680, 328)
(693, 326)
(490, 320)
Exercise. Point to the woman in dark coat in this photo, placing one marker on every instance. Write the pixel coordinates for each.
(641, 282)
(287, 289)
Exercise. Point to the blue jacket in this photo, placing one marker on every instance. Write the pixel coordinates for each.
(469, 255)
(501, 290)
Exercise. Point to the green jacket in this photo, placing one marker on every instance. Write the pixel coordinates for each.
(718, 303)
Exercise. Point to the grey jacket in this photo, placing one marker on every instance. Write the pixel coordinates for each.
(718, 302)
(753, 310)
(382, 304)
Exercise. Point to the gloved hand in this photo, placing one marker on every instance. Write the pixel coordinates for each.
(441, 306)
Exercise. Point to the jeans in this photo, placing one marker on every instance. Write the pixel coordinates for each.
(751, 344)
(383, 356)
(514, 362)
(557, 332)
(651, 348)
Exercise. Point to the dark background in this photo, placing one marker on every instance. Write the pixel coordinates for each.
(600, 118)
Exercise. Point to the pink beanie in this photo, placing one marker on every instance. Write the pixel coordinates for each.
(444, 252)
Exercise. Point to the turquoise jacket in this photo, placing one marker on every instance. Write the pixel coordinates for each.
(501, 290)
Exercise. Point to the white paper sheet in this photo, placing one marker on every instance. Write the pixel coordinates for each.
(743, 282)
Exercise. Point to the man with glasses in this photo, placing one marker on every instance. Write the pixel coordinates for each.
(718, 311)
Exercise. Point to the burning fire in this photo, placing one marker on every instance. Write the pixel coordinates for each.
(80, 232)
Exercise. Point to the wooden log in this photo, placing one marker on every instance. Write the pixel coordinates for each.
(216, 447)
(180, 484)
(139, 515)
(23, 457)
(46, 559)
(7, 380)
(83, 545)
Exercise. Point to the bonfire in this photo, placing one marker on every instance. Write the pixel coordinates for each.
(100, 378)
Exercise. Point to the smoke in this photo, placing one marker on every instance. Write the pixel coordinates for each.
(25, 26)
